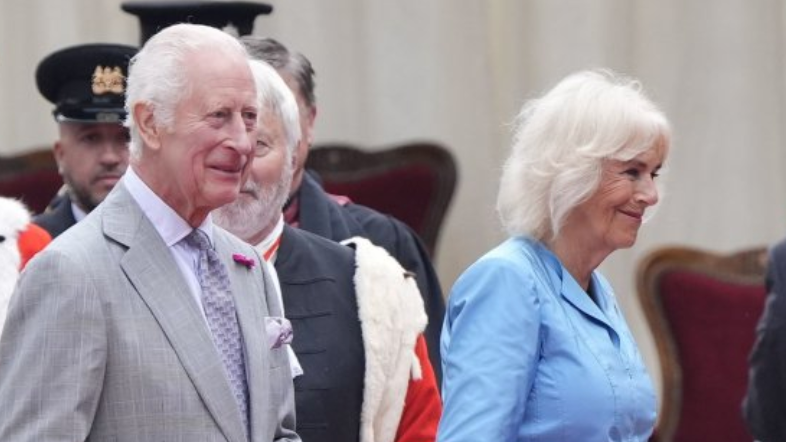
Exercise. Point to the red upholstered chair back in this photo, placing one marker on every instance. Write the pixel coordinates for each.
(414, 182)
(31, 177)
(703, 309)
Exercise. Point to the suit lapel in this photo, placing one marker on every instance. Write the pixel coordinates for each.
(149, 265)
(321, 216)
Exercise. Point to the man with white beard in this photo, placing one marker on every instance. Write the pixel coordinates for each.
(344, 392)
(335, 217)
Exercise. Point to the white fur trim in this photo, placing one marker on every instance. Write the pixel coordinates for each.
(392, 317)
(14, 219)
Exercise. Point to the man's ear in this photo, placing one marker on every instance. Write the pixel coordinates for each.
(146, 124)
(57, 151)
(311, 117)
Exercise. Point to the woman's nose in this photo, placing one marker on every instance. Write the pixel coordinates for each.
(647, 192)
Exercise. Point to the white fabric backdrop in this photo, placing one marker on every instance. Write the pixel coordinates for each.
(456, 71)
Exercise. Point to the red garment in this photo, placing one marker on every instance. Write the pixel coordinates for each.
(31, 241)
(292, 212)
(423, 405)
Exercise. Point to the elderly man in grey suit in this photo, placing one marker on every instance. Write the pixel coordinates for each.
(145, 322)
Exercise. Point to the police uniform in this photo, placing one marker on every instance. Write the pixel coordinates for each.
(86, 83)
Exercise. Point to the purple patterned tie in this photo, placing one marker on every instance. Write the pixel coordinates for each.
(221, 317)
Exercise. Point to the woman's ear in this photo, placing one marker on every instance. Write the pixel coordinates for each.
(147, 127)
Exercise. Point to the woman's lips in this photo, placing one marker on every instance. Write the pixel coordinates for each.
(635, 215)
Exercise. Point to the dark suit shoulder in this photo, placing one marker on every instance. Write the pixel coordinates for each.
(765, 400)
(317, 243)
(371, 217)
(322, 215)
(383, 230)
(779, 250)
(57, 219)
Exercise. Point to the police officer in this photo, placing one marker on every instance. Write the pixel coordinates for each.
(86, 83)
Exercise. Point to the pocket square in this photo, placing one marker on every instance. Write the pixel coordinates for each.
(279, 331)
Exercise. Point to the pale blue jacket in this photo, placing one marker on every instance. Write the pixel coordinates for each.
(528, 356)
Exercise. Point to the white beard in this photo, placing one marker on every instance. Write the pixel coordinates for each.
(254, 210)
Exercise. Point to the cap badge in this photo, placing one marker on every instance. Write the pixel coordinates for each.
(106, 79)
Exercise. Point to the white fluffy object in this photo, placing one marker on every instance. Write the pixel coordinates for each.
(392, 317)
(14, 219)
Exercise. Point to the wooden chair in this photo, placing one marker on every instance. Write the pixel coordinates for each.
(703, 309)
(414, 182)
(31, 177)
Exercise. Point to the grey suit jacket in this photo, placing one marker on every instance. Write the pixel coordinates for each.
(104, 342)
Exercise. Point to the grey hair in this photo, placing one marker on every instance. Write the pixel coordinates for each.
(274, 95)
(561, 141)
(157, 73)
(282, 59)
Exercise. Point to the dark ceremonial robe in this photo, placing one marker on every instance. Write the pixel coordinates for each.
(318, 213)
(316, 277)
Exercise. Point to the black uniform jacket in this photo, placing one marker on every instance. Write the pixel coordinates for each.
(58, 216)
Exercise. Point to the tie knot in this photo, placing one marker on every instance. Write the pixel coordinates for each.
(198, 239)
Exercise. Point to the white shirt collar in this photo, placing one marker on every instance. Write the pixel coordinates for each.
(166, 221)
(77, 211)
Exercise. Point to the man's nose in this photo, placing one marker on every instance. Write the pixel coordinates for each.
(243, 138)
(114, 153)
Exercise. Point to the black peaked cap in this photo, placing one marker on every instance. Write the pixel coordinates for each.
(86, 83)
(157, 15)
